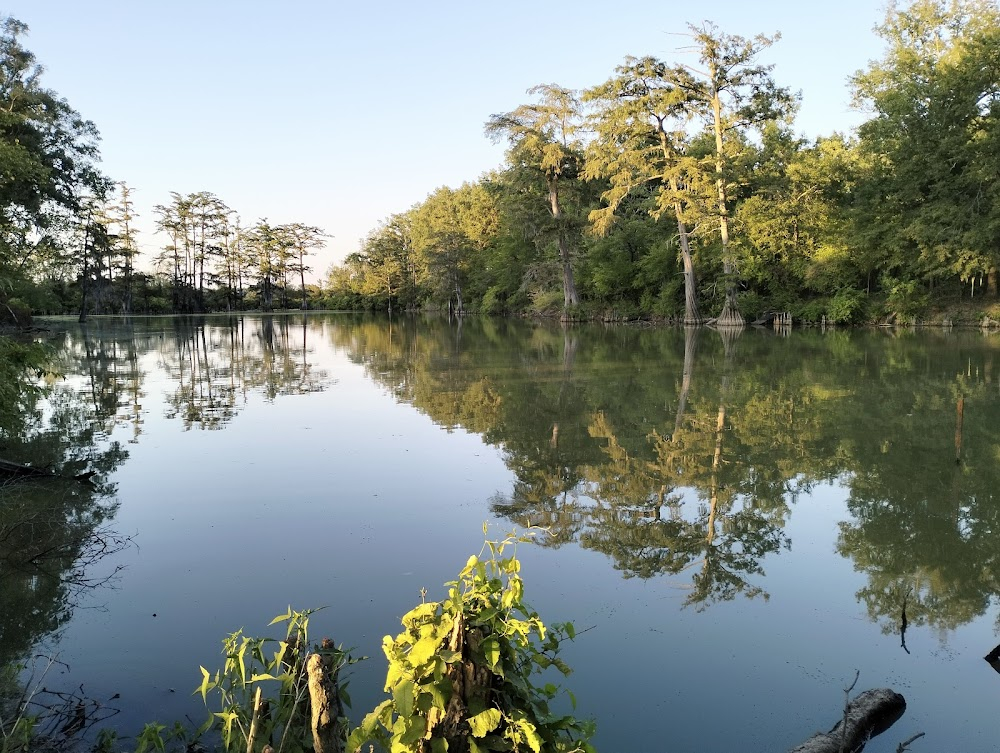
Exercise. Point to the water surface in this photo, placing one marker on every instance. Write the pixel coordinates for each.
(740, 521)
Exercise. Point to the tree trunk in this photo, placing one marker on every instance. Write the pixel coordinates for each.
(267, 303)
(570, 297)
(85, 278)
(459, 306)
(991, 281)
(691, 314)
(730, 316)
(302, 277)
(870, 714)
(329, 733)
(471, 688)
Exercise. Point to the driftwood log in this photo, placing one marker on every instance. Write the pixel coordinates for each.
(329, 732)
(869, 714)
(18, 471)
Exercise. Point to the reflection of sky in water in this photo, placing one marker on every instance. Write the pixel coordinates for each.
(346, 498)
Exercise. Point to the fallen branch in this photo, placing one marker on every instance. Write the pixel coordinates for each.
(905, 745)
(870, 713)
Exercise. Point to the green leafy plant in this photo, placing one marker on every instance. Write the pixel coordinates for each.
(462, 673)
(249, 718)
(847, 306)
(154, 737)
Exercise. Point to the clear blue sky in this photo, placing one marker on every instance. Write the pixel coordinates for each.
(338, 114)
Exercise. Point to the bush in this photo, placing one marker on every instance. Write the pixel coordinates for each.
(847, 307)
(547, 303)
(461, 677)
(460, 673)
(492, 302)
(751, 304)
(905, 298)
(811, 311)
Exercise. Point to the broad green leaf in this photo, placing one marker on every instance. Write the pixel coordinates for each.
(423, 650)
(205, 727)
(360, 735)
(402, 696)
(530, 734)
(413, 731)
(491, 651)
(420, 611)
(440, 691)
(485, 722)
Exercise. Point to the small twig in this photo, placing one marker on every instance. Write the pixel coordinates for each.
(905, 745)
(847, 711)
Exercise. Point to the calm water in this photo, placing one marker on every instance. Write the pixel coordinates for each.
(741, 522)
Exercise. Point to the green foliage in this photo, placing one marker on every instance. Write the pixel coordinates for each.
(22, 365)
(492, 302)
(929, 204)
(847, 307)
(811, 311)
(752, 304)
(279, 666)
(547, 303)
(461, 673)
(47, 158)
(155, 737)
(905, 298)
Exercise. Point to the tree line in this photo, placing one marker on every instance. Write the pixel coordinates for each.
(676, 190)
(681, 191)
(68, 239)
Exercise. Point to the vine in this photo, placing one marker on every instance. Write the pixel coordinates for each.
(462, 674)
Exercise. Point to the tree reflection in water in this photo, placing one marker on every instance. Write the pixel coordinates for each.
(696, 464)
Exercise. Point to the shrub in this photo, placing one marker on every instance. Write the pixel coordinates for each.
(847, 307)
(461, 672)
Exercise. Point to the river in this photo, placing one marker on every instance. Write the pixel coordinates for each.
(736, 524)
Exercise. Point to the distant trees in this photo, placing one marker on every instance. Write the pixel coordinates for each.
(48, 156)
(654, 138)
(544, 141)
(210, 255)
(932, 145)
(68, 239)
(732, 93)
(431, 255)
(843, 228)
(641, 146)
(304, 238)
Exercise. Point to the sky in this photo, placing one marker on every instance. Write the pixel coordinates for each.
(339, 114)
